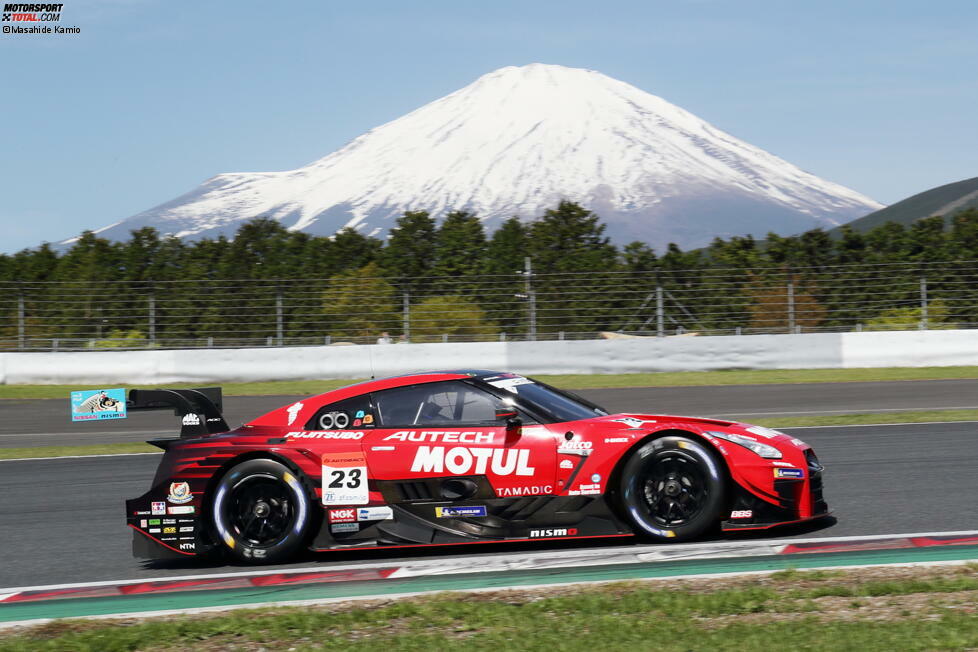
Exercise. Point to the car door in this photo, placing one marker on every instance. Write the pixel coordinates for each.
(450, 430)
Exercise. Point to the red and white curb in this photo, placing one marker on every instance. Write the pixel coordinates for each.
(550, 559)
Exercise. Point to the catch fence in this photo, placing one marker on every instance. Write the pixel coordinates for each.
(84, 315)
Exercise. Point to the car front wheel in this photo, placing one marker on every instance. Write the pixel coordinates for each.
(672, 489)
(260, 512)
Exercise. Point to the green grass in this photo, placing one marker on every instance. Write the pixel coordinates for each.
(62, 451)
(800, 611)
(567, 381)
(917, 416)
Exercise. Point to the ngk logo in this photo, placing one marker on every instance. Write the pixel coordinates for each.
(342, 515)
(554, 532)
(465, 461)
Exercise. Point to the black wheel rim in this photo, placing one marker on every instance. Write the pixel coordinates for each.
(260, 510)
(674, 489)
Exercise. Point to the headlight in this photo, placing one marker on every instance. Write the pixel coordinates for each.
(765, 451)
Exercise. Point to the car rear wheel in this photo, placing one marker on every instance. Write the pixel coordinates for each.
(260, 512)
(672, 489)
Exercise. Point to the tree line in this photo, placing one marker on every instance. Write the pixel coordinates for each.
(427, 278)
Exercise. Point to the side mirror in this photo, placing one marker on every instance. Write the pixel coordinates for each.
(510, 416)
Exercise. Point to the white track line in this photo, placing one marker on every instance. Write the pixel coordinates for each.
(75, 457)
(397, 596)
(474, 562)
(873, 425)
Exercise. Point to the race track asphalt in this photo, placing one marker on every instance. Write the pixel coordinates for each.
(46, 422)
(62, 520)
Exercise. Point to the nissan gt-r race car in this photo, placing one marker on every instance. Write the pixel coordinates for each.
(456, 457)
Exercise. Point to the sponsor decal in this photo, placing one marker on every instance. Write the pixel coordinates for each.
(585, 490)
(185, 520)
(293, 412)
(181, 509)
(443, 436)
(460, 512)
(345, 479)
(191, 419)
(157, 508)
(766, 433)
(344, 527)
(617, 440)
(506, 492)
(343, 515)
(577, 445)
(632, 422)
(554, 532)
(142, 523)
(154, 521)
(154, 530)
(324, 434)
(357, 422)
(169, 521)
(466, 461)
(96, 404)
(383, 448)
(142, 513)
(375, 514)
(180, 493)
(170, 530)
(566, 464)
(596, 477)
(741, 513)
(358, 415)
(788, 473)
(187, 528)
(777, 463)
(168, 538)
(187, 546)
(368, 420)
(510, 384)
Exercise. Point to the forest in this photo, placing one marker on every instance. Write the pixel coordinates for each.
(558, 275)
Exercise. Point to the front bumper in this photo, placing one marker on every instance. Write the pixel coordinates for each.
(798, 500)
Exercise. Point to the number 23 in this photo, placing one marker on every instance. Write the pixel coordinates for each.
(339, 476)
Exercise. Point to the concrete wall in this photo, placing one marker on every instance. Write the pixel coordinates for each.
(823, 350)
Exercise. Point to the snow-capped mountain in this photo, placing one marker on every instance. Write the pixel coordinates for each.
(515, 142)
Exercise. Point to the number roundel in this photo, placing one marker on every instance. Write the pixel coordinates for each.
(332, 420)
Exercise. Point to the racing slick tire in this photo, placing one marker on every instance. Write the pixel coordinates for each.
(672, 489)
(260, 512)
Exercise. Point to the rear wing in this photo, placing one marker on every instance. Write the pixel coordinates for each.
(200, 409)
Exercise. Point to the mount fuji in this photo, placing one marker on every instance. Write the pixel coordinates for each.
(515, 142)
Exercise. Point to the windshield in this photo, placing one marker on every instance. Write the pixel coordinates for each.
(561, 405)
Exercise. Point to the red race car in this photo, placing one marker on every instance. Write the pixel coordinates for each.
(456, 457)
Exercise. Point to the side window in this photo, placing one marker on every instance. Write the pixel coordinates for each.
(354, 412)
(446, 403)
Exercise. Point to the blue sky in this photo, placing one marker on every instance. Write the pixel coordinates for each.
(154, 96)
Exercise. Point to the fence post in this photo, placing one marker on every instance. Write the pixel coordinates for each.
(152, 320)
(923, 304)
(407, 317)
(791, 306)
(327, 339)
(21, 333)
(279, 325)
(531, 297)
(502, 336)
(660, 314)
